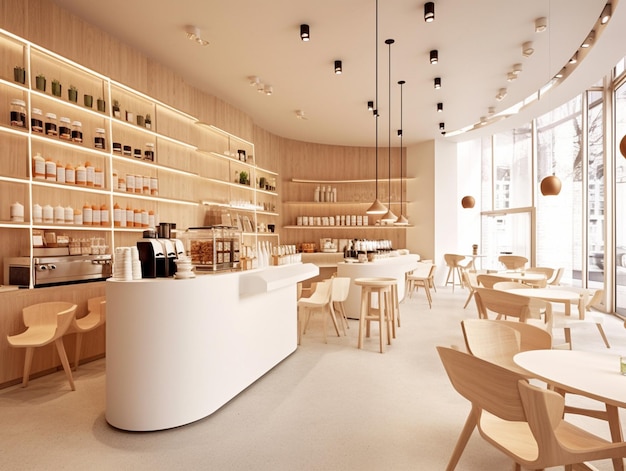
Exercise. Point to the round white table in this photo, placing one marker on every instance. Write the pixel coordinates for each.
(590, 374)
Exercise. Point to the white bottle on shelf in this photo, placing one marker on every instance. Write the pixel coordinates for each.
(316, 197)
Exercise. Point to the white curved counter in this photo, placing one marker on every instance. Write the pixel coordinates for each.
(391, 267)
(177, 350)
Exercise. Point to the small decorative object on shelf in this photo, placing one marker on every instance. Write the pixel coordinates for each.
(116, 109)
(19, 74)
(140, 120)
(56, 88)
(40, 82)
(88, 100)
(241, 155)
(148, 121)
(72, 94)
(243, 178)
(130, 116)
(101, 104)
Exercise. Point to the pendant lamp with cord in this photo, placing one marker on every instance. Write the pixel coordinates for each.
(389, 217)
(377, 207)
(402, 220)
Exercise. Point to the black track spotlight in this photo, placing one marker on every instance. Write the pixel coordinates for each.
(434, 56)
(429, 12)
(437, 83)
(370, 106)
(338, 67)
(442, 126)
(304, 32)
(439, 107)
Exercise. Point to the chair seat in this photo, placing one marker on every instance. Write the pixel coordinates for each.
(35, 336)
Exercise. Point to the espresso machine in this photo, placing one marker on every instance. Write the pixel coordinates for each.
(158, 253)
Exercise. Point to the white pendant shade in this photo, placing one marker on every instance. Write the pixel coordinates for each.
(376, 208)
(389, 217)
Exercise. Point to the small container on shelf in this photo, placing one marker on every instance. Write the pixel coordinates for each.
(60, 172)
(51, 170)
(96, 215)
(37, 213)
(87, 215)
(148, 153)
(17, 212)
(98, 178)
(90, 174)
(127, 150)
(59, 214)
(70, 174)
(39, 166)
(18, 113)
(48, 214)
(130, 217)
(65, 128)
(99, 140)
(50, 125)
(137, 153)
(117, 147)
(68, 215)
(77, 132)
(154, 186)
(36, 121)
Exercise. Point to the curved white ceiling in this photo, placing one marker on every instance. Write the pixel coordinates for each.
(478, 44)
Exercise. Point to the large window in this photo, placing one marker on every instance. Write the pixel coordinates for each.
(620, 201)
(559, 232)
(595, 189)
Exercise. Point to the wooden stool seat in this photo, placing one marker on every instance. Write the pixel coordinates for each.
(384, 314)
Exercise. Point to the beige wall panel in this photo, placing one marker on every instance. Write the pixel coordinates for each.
(13, 15)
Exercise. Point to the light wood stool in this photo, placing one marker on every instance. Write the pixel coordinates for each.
(384, 314)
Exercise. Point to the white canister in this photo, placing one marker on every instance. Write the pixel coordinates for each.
(68, 215)
(48, 214)
(59, 214)
(37, 213)
(17, 212)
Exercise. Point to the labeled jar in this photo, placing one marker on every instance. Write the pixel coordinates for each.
(50, 125)
(17, 212)
(68, 214)
(37, 213)
(98, 179)
(148, 153)
(154, 186)
(18, 113)
(39, 166)
(60, 172)
(77, 132)
(99, 140)
(87, 215)
(117, 215)
(65, 129)
(137, 218)
(96, 215)
(70, 174)
(51, 170)
(90, 174)
(145, 188)
(130, 183)
(78, 217)
(137, 153)
(130, 219)
(48, 214)
(117, 147)
(36, 121)
(121, 184)
(104, 215)
(81, 177)
(127, 150)
(59, 214)
(116, 180)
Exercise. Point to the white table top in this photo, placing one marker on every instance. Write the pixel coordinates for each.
(590, 374)
(519, 276)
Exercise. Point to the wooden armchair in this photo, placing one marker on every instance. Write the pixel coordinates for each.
(513, 262)
(505, 304)
(523, 421)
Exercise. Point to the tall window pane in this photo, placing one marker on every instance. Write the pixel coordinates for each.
(559, 218)
(620, 202)
(595, 190)
(512, 156)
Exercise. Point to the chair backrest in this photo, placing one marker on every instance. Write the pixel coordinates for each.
(547, 271)
(488, 281)
(504, 285)
(340, 289)
(508, 304)
(423, 270)
(98, 305)
(322, 293)
(491, 340)
(54, 313)
(452, 260)
(513, 262)
(531, 336)
(556, 279)
(486, 385)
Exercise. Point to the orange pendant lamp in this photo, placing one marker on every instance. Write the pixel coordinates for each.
(550, 186)
(468, 202)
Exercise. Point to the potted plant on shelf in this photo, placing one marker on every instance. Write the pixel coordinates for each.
(101, 104)
(40, 82)
(140, 120)
(148, 121)
(243, 178)
(88, 100)
(19, 74)
(72, 94)
(116, 109)
(56, 87)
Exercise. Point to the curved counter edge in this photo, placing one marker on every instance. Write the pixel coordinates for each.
(178, 350)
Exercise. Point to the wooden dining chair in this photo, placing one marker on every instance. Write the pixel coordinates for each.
(45, 323)
(488, 280)
(546, 271)
(96, 316)
(421, 277)
(470, 280)
(513, 262)
(455, 265)
(555, 280)
(319, 301)
(504, 305)
(523, 421)
(505, 285)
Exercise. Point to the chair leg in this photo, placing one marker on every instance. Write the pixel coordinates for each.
(28, 361)
(79, 341)
(466, 433)
(568, 336)
(430, 298)
(64, 361)
(334, 318)
(469, 298)
(606, 341)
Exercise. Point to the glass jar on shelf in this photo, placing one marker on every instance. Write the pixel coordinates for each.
(18, 113)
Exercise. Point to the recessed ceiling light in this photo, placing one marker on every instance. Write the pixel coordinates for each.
(193, 34)
(574, 58)
(527, 49)
(517, 68)
(606, 14)
(589, 39)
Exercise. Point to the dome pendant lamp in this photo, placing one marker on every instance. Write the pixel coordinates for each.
(377, 207)
(468, 202)
(389, 217)
(550, 186)
(402, 220)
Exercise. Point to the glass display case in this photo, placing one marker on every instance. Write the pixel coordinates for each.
(213, 248)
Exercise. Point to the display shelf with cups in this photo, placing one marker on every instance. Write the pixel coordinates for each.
(83, 145)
